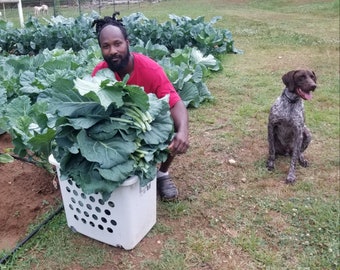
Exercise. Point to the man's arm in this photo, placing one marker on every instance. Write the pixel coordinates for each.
(180, 143)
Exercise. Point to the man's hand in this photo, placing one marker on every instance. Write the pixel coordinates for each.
(179, 144)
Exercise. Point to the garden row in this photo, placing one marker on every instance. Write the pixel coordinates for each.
(49, 105)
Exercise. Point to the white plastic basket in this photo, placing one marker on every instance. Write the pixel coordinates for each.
(122, 221)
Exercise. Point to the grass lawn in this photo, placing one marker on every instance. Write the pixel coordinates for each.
(236, 215)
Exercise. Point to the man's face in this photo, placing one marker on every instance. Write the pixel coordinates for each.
(115, 49)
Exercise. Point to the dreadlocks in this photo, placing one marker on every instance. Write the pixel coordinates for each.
(102, 23)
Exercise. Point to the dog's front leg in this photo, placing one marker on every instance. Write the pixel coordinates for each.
(307, 137)
(271, 157)
(295, 155)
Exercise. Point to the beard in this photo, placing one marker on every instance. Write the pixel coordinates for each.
(118, 64)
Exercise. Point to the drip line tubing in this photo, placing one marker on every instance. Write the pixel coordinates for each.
(22, 159)
(19, 245)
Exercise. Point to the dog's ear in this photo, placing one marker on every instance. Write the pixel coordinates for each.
(314, 76)
(288, 80)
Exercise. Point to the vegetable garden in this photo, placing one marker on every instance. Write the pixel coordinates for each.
(50, 107)
(61, 51)
(231, 213)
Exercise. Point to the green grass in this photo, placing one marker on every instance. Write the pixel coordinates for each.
(237, 216)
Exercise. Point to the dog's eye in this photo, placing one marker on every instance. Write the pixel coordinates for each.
(301, 78)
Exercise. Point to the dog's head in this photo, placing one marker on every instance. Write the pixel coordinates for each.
(301, 82)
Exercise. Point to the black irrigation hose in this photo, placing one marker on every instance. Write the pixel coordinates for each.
(19, 245)
(22, 159)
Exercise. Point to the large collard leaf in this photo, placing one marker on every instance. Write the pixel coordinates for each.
(9, 78)
(204, 93)
(54, 64)
(109, 91)
(209, 61)
(189, 94)
(18, 123)
(83, 122)
(162, 126)
(80, 109)
(86, 175)
(91, 88)
(106, 129)
(119, 173)
(154, 51)
(136, 95)
(29, 83)
(17, 112)
(41, 143)
(107, 153)
(20, 64)
(66, 139)
(69, 103)
(28, 127)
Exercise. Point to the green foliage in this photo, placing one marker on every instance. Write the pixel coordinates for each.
(243, 216)
(24, 78)
(6, 158)
(180, 32)
(59, 32)
(108, 131)
(77, 34)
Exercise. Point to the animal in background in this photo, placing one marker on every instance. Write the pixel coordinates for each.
(44, 9)
(40, 9)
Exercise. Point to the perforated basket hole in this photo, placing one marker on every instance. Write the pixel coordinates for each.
(90, 210)
(111, 204)
(101, 201)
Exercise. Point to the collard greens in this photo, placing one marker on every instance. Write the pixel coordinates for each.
(107, 131)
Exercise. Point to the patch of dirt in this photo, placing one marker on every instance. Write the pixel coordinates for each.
(26, 193)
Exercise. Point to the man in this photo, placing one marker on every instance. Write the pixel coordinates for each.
(144, 72)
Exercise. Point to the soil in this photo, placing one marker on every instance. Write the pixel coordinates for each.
(27, 192)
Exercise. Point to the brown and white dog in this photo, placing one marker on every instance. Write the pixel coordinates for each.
(287, 132)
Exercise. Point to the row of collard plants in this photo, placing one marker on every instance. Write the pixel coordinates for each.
(100, 131)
